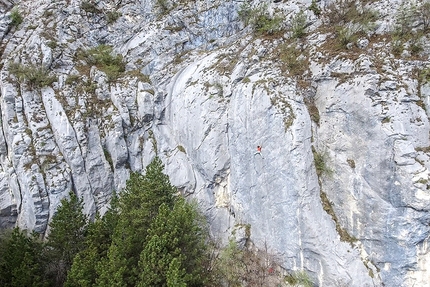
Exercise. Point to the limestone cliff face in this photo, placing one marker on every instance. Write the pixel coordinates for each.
(341, 186)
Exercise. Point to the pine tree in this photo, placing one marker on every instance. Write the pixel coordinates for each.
(138, 206)
(98, 240)
(176, 248)
(21, 260)
(66, 238)
(175, 274)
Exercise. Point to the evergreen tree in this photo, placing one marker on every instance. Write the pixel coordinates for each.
(97, 242)
(66, 238)
(21, 260)
(138, 206)
(175, 275)
(176, 248)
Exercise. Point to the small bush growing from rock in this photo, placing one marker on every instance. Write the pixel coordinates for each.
(350, 20)
(341, 12)
(396, 45)
(247, 266)
(294, 63)
(112, 16)
(424, 15)
(404, 21)
(346, 35)
(72, 79)
(34, 76)
(298, 25)
(16, 17)
(102, 57)
(416, 46)
(52, 44)
(260, 19)
(90, 7)
(424, 75)
(320, 160)
(299, 278)
(315, 8)
(411, 24)
(164, 6)
(312, 109)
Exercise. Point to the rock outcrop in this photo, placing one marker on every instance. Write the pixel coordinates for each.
(341, 187)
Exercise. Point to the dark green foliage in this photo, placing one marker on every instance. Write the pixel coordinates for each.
(342, 12)
(346, 35)
(34, 76)
(298, 25)
(175, 274)
(260, 19)
(102, 57)
(16, 17)
(112, 16)
(411, 25)
(294, 63)
(66, 238)
(150, 236)
(350, 19)
(266, 24)
(404, 21)
(90, 7)
(231, 265)
(97, 243)
(175, 247)
(108, 158)
(21, 260)
(299, 278)
(164, 5)
(245, 13)
(320, 160)
(73, 79)
(396, 45)
(315, 8)
(416, 46)
(52, 44)
(139, 204)
(424, 15)
(424, 75)
(83, 270)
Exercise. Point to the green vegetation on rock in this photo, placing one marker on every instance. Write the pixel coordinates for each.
(150, 236)
(103, 58)
(34, 76)
(16, 17)
(260, 20)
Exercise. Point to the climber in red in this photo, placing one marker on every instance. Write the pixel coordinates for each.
(258, 151)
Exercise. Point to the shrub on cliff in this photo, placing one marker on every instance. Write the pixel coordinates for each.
(105, 60)
(33, 75)
(16, 17)
(260, 19)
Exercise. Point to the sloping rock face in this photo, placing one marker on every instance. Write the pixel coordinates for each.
(340, 188)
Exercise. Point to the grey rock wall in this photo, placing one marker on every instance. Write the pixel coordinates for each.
(201, 91)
